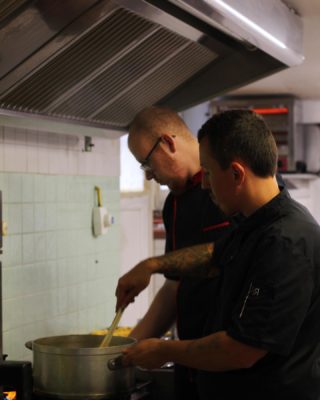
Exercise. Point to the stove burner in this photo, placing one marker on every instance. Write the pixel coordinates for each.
(122, 397)
(141, 391)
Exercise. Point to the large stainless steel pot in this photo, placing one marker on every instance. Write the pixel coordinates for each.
(75, 367)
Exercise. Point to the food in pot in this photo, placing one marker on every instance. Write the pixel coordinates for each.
(120, 331)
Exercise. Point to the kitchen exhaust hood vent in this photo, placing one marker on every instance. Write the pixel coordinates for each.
(98, 63)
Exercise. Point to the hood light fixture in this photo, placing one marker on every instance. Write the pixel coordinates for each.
(231, 11)
(266, 25)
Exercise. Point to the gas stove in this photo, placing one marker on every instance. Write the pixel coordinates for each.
(16, 379)
(142, 391)
(16, 376)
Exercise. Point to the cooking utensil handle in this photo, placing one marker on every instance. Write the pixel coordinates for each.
(116, 363)
(29, 345)
(98, 190)
(106, 341)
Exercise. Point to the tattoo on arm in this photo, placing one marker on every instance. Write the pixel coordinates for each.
(189, 261)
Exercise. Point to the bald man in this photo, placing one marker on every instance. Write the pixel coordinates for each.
(168, 153)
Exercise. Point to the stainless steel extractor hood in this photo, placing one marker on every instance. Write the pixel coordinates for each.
(98, 63)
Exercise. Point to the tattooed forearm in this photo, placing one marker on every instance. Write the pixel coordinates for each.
(195, 261)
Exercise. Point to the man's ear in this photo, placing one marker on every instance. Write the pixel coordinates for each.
(169, 140)
(238, 172)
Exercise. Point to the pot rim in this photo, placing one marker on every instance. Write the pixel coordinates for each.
(43, 345)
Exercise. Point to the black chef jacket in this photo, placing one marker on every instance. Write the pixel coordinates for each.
(191, 218)
(269, 297)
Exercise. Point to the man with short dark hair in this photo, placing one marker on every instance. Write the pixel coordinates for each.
(262, 336)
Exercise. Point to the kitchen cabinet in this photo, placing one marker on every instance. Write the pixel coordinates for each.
(282, 115)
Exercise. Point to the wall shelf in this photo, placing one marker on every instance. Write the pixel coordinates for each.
(281, 115)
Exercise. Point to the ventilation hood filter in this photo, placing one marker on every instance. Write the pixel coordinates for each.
(98, 63)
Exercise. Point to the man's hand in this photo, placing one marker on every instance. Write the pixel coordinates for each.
(147, 353)
(189, 261)
(133, 282)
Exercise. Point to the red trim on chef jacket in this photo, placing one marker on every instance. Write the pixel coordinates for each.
(216, 226)
(196, 179)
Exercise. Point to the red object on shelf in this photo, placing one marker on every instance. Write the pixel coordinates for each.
(270, 111)
(282, 163)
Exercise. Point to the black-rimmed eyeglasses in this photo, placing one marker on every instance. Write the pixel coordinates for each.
(145, 163)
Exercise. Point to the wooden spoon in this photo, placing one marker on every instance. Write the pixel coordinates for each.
(106, 340)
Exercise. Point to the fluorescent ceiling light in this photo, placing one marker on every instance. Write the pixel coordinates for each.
(247, 21)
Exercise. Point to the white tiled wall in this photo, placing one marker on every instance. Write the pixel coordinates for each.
(57, 277)
(23, 150)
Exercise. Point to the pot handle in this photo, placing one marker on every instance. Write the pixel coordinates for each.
(116, 363)
(29, 345)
